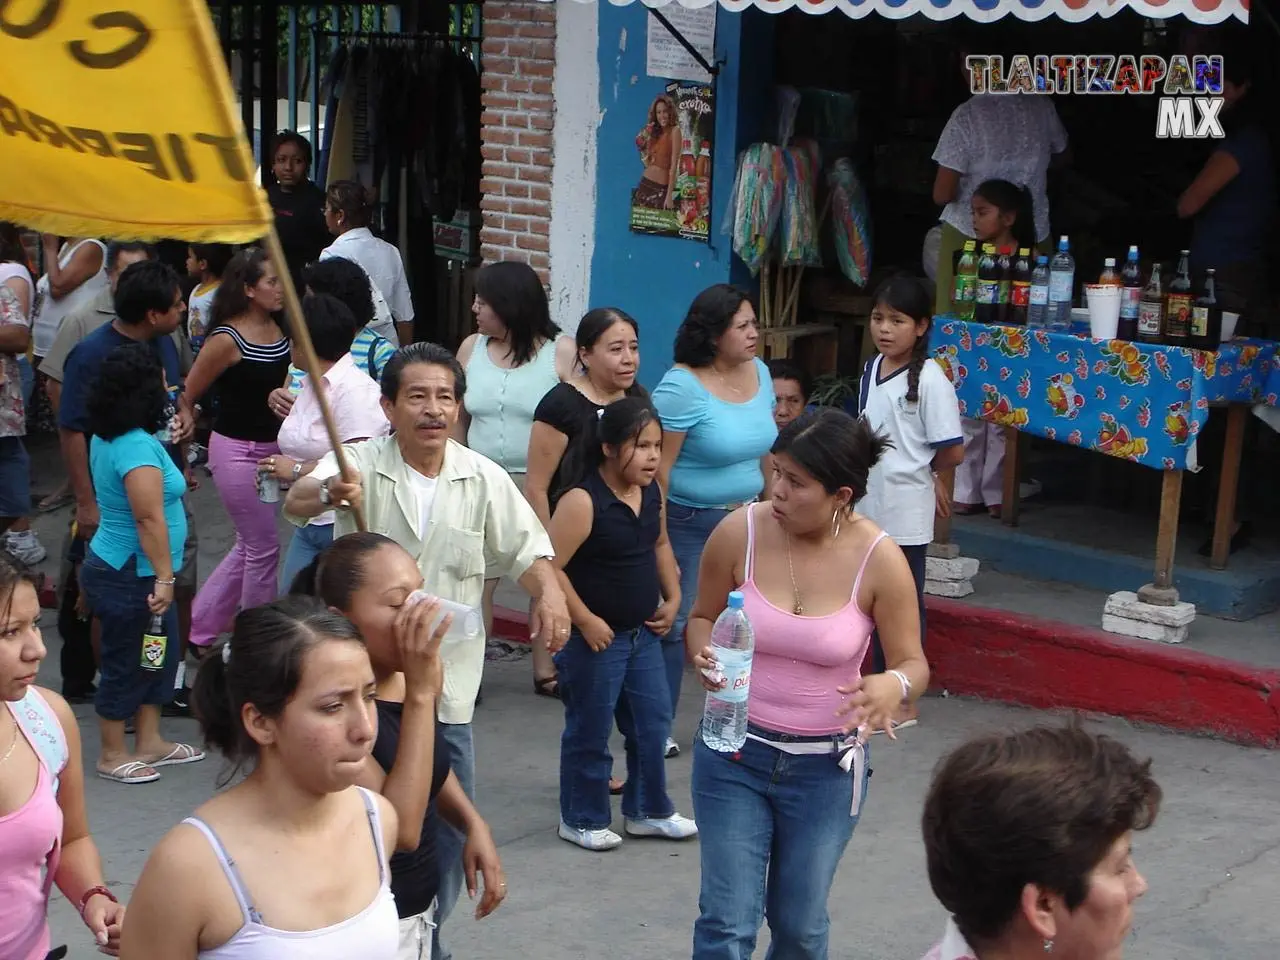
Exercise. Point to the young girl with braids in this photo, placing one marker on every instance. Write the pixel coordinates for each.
(906, 397)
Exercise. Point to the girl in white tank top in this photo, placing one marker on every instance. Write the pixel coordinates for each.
(48, 313)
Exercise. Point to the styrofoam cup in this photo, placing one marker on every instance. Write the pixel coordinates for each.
(1104, 310)
(1229, 321)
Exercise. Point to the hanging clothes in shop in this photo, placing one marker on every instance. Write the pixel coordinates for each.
(404, 116)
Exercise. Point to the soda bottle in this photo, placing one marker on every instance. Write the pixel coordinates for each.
(1062, 277)
(1177, 304)
(987, 299)
(724, 717)
(1038, 308)
(1020, 292)
(1130, 296)
(1206, 317)
(1109, 277)
(966, 284)
(155, 643)
(1151, 309)
(1004, 262)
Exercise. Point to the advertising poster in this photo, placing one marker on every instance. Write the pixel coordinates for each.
(673, 197)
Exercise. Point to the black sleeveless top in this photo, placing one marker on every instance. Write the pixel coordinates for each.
(242, 411)
(615, 571)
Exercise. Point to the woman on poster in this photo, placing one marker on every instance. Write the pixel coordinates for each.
(657, 146)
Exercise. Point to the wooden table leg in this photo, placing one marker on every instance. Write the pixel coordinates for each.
(1010, 499)
(1228, 484)
(1161, 590)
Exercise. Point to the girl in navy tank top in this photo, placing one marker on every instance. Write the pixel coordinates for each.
(609, 533)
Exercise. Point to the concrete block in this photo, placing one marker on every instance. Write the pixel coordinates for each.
(961, 568)
(1144, 630)
(1126, 604)
(944, 551)
(954, 589)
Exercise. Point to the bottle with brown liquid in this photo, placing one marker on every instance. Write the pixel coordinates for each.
(1004, 263)
(1206, 317)
(1151, 309)
(1178, 303)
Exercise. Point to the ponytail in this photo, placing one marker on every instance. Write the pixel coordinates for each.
(211, 705)
(919, 354)
(617, 423)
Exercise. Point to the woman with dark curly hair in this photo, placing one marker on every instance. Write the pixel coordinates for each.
(1029, 841)
(247, 355)
(716, 405)
(130, 564)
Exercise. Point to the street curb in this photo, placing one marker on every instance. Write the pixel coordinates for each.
(977, 651)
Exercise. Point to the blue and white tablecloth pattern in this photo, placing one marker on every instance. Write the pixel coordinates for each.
(1136, 401)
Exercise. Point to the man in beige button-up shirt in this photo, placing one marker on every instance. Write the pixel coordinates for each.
(457, 513)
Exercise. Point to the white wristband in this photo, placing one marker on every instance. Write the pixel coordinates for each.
(904, 680)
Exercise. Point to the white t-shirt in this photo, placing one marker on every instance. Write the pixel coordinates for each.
(424, 491)
(48, 314)
(994, 136)
(199, 305)
(900, 494)
(382, 262)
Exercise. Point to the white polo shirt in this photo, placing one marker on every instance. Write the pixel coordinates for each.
(900, 493)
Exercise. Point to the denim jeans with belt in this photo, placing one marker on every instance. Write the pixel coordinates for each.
(118, 598)
(688, 529)
(626, 681)
(772, 828)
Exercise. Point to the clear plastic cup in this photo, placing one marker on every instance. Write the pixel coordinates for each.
(467, 622)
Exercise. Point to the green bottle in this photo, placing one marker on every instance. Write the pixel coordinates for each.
(964, 296)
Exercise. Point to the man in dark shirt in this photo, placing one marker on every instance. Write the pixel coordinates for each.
(148, 309)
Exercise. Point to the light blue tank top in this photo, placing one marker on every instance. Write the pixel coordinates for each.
(719, 462)
(501, 403)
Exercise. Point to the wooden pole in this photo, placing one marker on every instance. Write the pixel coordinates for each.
(1228, 482)
(1011, 495)
(301, 338)
(1161, 590)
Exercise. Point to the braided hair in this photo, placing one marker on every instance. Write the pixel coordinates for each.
(910, 296)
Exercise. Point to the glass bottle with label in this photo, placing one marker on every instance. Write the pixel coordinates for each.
(1177, 304)
(1151, 309)
(1206, 317)
(155, 644)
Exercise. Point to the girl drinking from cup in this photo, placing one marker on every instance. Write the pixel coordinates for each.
(623, 589)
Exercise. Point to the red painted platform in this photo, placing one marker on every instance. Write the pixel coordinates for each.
(976, 651)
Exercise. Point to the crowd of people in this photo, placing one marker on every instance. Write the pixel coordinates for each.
(331, 680)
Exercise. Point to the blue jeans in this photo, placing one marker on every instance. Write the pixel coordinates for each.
(688, 529)
(308, 543)
(772, 828)
(627, 681)
(449, 842)
(28, 379)
(118, 598)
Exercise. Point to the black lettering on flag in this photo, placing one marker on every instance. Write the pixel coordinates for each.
(180, 158)
(114, 19)
(141, 148)
(94, 140)
(11, 121)
(37, 25)
(54, 134)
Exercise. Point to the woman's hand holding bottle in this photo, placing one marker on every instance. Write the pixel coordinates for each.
(708, 668)
(419, 646)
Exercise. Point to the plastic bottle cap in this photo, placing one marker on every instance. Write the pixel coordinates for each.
(1041, 260)
(1109, 262)
(736, 600)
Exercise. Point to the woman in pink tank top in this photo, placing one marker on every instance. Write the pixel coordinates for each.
(816, 578)
(44, 833)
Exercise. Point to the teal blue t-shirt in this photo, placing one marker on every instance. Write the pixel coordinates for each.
(110, 461)
(719, 462)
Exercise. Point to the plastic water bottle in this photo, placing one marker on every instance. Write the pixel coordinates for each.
(1038, 310)
(1062, 278)
(467, 622)
(724, 718)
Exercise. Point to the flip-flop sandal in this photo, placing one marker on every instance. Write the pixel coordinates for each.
(616, 786)
(180, 754)
(128, 773)
(51, 503)
(899, 725)
(547, 687)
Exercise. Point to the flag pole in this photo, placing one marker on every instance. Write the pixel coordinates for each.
(301, 338)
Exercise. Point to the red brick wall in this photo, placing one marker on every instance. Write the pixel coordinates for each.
(518, 59)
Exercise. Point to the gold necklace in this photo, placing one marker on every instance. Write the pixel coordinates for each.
(797, 607)
(13, 741)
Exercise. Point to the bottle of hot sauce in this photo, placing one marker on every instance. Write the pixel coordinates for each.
(1151, 309)
(1178, 303)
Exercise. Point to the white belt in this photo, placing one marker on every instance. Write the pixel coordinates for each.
(852, 752)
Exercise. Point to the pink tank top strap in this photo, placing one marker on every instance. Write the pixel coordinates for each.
(857, 581)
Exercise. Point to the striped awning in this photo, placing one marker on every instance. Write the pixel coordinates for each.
(1198, 11)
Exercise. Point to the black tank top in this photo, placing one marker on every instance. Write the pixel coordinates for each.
(615, 571)
(243, 388)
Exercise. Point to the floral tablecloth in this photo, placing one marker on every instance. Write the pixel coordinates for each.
(1136, 401)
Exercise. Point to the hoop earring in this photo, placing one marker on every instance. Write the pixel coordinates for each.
(1048, 945)
(835, 523)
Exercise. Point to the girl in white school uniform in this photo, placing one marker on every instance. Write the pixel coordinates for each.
(907, 397)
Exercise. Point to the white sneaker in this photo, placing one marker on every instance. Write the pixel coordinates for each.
(597, 840)
(674, 827)
(672, 749)
(25, 547)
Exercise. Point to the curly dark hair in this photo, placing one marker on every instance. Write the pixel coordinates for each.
(708, 318)
(128, 392)
(346, 280)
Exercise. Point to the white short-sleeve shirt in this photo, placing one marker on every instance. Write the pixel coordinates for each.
(900, 493)
(382, 262)
(995, 136)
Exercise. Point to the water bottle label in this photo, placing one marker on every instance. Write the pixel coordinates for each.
(735, 666)
(1060, 287)
(988, 291)
(1039, 295)
(1129, 301)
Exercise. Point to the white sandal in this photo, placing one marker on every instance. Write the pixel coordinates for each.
(180, 754)
(125, 773)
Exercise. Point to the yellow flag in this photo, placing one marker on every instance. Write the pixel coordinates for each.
(117, 119)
